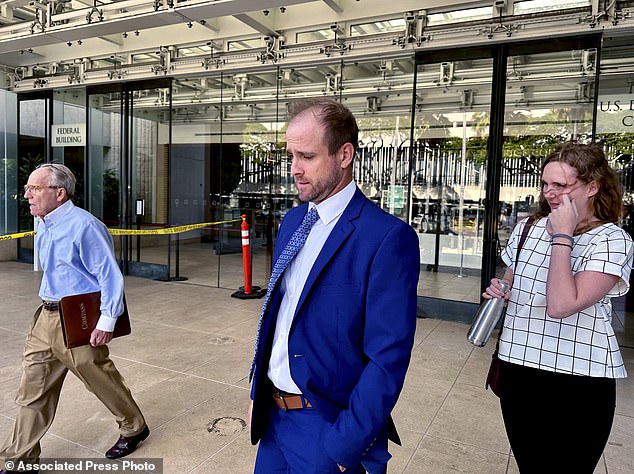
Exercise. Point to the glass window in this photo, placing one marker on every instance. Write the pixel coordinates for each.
(615, 116)
(189, 51)
(315, 35)
(143, 58)
(458, 16)
(8, 163)
(241, 45)
(538, 6)
(548, 101)
(69, 109)
(377, 27)
(448, 184)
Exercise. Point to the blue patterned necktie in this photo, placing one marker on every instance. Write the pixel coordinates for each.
(292, 247)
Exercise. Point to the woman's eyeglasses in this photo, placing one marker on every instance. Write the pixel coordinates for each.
(558, 188)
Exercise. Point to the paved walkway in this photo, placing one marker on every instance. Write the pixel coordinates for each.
(187, 359)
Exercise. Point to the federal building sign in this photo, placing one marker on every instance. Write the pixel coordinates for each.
(615, 113)
(69, 134)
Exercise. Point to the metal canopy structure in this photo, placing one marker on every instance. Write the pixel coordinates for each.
(56, 43)
(231, 62)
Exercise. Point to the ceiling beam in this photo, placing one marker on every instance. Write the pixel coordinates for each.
(333, 5)
(256, 25)
(131, 15)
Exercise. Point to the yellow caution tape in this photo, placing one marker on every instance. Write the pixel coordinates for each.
(17, 236)
(168, 230)
(164, 231)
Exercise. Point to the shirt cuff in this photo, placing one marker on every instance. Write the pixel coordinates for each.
(106, 323)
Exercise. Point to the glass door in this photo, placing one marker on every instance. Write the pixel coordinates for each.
(9, 189)
(129, 143)
(104, 151)
(483, 121)
(69, 116)
(39, 116)
(450, 133)
(550, 99)
(146, 198)
(34, 112)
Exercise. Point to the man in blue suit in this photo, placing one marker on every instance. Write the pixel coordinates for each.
(337, 327)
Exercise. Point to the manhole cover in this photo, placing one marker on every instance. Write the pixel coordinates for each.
(226, 426)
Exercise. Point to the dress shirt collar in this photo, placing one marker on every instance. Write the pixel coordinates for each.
(334, 206)
(58, 214)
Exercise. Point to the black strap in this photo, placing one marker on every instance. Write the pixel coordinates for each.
(525, 230)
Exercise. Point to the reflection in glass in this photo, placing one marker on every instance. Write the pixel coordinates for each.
(9, 191)
(538, 6)
(450, 137)
(545, 106)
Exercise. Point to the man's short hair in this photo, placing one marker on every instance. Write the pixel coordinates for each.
(339, 124)
(61, 176)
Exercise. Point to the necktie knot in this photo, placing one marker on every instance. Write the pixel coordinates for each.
(309, 220)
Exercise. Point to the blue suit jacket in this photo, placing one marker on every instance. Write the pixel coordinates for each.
(353, 330)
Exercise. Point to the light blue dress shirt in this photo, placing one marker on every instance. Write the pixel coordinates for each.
(76, 253)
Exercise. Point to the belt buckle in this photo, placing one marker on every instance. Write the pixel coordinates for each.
(278, 396)
(50, 305)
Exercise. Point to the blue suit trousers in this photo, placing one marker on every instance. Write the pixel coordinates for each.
(293, 444)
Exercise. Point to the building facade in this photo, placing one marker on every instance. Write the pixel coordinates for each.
(181, 132)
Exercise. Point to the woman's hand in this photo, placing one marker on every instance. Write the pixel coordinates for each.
(495, 289)
(564, 219)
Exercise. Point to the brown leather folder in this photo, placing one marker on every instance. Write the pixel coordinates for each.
(79, 315)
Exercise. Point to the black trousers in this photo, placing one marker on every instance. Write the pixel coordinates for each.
(556, 423)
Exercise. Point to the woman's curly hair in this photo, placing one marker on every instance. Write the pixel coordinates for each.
(591, 165)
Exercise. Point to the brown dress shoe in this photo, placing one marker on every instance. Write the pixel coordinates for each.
(125, 446)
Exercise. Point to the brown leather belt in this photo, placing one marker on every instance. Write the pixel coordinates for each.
(290, 401)
(50, 305)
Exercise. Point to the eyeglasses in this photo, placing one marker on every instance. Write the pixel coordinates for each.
(35, 189)
(558, 188)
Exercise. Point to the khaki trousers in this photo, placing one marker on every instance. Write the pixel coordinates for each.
(46, 361)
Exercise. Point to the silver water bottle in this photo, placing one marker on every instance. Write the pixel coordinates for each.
(487, 317)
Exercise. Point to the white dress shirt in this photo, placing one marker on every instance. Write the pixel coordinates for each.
(294, 279)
